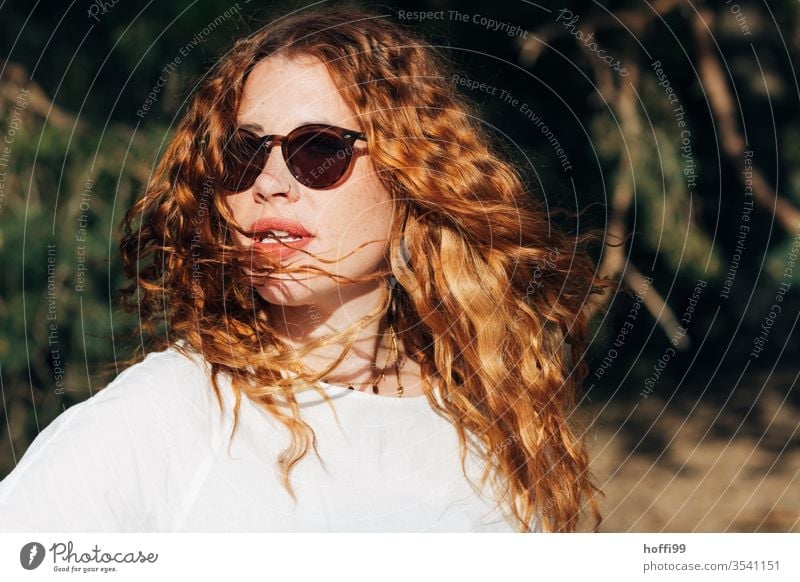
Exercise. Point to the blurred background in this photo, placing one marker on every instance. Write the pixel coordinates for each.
(671, 124)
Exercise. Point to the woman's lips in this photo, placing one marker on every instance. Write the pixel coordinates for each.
(260, 230)
(282, 250)
(263, 225)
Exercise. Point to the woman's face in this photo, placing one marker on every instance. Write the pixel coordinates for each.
(280, 95)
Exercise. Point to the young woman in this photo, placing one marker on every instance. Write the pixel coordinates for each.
(336, 260)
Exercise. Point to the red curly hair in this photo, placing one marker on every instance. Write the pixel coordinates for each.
(493, 299)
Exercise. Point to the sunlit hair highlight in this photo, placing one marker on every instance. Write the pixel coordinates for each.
(493, 299)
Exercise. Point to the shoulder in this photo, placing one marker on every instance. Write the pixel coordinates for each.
(161, 384)
(164, 401)
(106, 464)
(176, 368)
(173, 379)
(164, 384)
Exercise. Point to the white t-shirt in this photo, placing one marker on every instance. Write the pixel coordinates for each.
(149, 453)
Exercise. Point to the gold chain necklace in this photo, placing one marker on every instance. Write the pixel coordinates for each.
(375, 381)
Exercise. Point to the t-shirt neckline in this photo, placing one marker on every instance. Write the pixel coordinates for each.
(338, 389)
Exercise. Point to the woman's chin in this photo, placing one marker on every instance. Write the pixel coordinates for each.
(289, 290)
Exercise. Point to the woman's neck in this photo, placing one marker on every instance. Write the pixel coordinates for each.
(298, 325)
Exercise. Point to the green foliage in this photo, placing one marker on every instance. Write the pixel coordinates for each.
(65, 192)
(81, 154)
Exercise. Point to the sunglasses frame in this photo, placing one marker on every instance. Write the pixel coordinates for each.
(265, 143)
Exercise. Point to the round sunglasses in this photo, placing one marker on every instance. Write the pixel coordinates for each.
(317, 155)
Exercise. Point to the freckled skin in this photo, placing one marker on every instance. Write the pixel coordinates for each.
(281, 95)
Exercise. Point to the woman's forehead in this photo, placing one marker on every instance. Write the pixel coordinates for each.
(282, 93)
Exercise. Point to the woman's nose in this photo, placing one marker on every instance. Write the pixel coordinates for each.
(275, 179)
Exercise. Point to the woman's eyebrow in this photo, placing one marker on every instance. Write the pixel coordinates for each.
(257, 127)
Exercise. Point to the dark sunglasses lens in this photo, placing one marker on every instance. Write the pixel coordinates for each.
(244, 161)
(318, 157)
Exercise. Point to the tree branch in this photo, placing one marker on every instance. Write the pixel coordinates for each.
(715, 84)
(534, 44)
